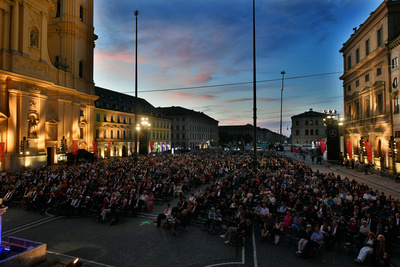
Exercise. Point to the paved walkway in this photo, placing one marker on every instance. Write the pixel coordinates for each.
(374, 181)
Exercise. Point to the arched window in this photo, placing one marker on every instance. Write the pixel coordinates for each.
(311, 132)
(306, 132)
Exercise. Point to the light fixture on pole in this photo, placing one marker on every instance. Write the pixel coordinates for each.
(135, 153)
(255, 159)
(280, 127)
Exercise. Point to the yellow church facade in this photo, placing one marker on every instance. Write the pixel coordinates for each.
(46, 80)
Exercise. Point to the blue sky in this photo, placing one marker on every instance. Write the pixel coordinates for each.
(205, 47)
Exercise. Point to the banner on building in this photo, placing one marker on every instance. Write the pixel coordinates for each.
(1, 151)
(109, 146)
(322, 145)
(349, 149)
(95, 147)
(75, 147)
(369, 151)
(151, 146)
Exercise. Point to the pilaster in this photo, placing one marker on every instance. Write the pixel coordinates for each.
(13, 128)
(14, 27)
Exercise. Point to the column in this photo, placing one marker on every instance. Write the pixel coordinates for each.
(43, 38)
(6, 30)
(26, 39)
(12, 134)
(15, 27)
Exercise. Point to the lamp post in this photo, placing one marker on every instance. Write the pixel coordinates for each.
(280, 127)
(255, 159)
(135, 153)
(145, 126)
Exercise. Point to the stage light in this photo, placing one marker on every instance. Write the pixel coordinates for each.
(74, 263)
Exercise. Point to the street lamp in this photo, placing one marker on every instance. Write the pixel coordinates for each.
(255, 159)
(280, 127)
(145, 126)
(135, 154)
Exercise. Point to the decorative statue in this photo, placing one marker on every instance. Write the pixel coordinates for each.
(34, 38)
(32, 127)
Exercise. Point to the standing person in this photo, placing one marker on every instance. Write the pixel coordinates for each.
(165, 215)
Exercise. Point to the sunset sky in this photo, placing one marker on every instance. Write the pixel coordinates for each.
(198, 54)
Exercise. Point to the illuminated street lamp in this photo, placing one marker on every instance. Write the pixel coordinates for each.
(145, 125)
(280, 127)
(255, 159)
(135, 154)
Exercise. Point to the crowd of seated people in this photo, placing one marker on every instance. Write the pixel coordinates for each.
(283, 197)
(111, 189)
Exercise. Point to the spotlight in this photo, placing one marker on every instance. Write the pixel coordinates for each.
(73, 263)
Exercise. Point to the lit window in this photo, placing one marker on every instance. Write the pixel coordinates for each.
(395, 62)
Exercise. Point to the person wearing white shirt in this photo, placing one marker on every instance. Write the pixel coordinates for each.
(264, 211)
(165, 215)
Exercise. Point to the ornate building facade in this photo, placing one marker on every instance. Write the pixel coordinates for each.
(368, 87)
(46, 79)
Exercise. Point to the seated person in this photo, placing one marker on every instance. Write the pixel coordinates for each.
(108, 210)
(231, 232)
(165, 215)
(381, 252)
(8, 197)
(143, 201)
(210, 219)
(277, 231)
(296, 225)
(287, 220)
(182, 221)
(304, 240)
(364, 232)
(315, 241)
(268, 227)
(368, 247)
(244, 230)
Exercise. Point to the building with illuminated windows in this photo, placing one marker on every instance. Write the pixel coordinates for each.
(308, 128)
(114, 125)
(191, 130)
(370, 86)
(46, 80)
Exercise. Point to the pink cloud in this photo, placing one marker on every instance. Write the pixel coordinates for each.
(120, 57)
